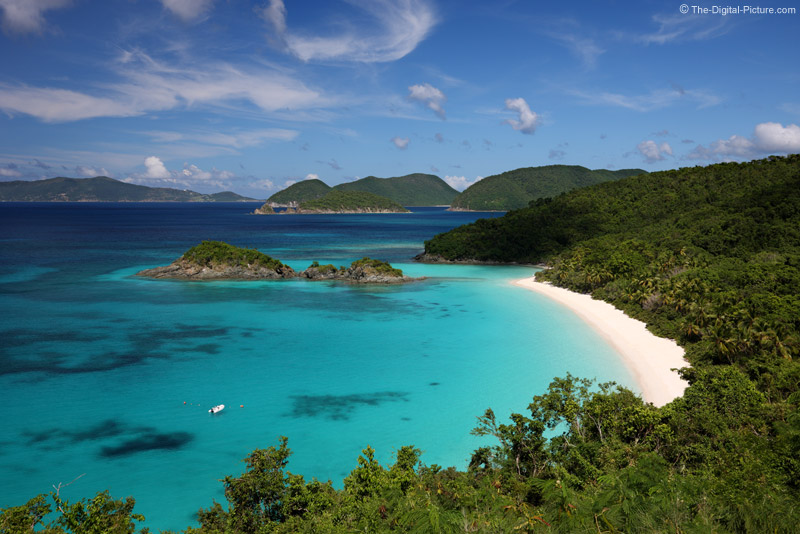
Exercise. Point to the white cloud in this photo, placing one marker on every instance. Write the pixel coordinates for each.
(311, 176)
(767, 138)
(90, 172)
(266, 184)
(287, 183)
(190, 177)
(429, 95)
(154, 168)
(652, 151)
(59, 105)
(657, 99)
(149, 85)
(26, 16)
(528, 120)
(400, 142)
(188, 9)
(773, 137)
(460, 182)
(399, 27)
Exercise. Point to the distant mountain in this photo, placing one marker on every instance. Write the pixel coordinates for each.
(410, 190)
(350, 202)
(299, 192)
(515, 189)
(102, 189)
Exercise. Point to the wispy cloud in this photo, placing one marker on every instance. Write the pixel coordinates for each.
(188, 10)
(235, 139)
(657, 99)
(583, 48)
(399, 27)
(27, 16)
(687, 27)
(429, 95)
(332, 163)
(149, 85)
(527, 121)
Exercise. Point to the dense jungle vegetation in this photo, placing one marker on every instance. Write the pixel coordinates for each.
(514, 189)
(410, 190)
(350, 201)
(709, 256)
(210, 253)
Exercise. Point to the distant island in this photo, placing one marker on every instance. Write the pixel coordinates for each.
(516, 189)
(409, 190)
(501, 192)
(336, 201)
(217, 260)
(102, 189)
(300, 192)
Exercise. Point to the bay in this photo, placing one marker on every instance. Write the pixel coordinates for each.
(111, 376)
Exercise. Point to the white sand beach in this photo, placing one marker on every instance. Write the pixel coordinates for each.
(650, 358)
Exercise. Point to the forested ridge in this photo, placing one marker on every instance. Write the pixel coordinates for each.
(708, 256)
(514, 189)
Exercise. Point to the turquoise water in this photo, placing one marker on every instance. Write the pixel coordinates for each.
(111, 376)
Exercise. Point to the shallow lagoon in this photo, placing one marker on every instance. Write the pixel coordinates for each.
(110, 375)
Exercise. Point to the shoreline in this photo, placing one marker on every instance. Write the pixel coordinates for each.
(648, 357)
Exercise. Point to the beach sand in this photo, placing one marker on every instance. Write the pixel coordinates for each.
(649, 358)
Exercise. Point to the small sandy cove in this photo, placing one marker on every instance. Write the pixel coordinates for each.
(650, 358)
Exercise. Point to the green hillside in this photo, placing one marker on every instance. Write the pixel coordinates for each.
(410, 190)
(351, 202)
(300, 192)
(515, 189)
(102, 189)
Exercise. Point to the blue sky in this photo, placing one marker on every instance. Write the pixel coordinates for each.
(248, 96)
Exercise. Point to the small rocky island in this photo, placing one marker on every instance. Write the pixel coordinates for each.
(216, 260)
(337, 201)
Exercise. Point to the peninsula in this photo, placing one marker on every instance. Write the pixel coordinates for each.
(217, 260)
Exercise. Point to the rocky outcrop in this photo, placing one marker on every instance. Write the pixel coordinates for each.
(363, 271)
(215, 260)
(266, 209)
(187, 270)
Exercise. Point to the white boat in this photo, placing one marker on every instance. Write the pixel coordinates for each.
(216, 409)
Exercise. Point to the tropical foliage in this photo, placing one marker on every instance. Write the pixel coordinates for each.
(301, 191)
(515, 189)
(410, 190)
(381, 267)
(210, 253)
(351, 201)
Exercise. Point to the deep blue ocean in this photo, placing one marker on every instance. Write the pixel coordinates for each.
(110, 376)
